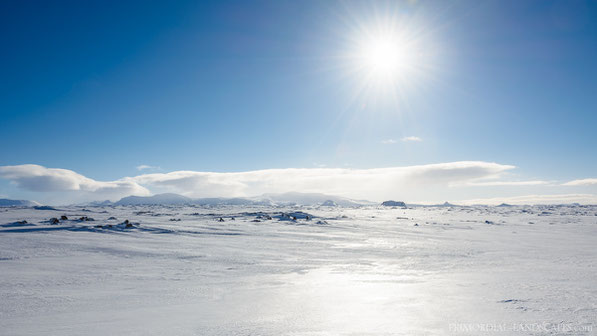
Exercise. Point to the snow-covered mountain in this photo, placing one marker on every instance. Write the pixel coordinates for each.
(99, 203)
(4, 202)
(329, 203)
(162, 199)
(312, 199)
(175, 199)
(229, 201)
(290, 198)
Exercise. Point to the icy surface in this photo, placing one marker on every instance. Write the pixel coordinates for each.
(298, 271)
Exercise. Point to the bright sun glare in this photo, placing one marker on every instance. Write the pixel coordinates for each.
(386, 57)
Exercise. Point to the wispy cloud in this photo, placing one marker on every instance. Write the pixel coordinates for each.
(582, 182)
(412, 139)
(388, 141)
(507, 183)
(536, 199)
(147, 167)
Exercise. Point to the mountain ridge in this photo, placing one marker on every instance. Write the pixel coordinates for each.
(6, 202)
(290, 198)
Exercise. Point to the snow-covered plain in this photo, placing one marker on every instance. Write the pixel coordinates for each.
(363, 271)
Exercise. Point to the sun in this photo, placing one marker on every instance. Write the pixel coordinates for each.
(386, 57)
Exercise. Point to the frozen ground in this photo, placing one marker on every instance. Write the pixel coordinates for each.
(371, 271)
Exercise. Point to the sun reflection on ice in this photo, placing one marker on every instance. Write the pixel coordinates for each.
(341, 302)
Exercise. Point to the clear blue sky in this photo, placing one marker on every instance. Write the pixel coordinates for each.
(103, 87)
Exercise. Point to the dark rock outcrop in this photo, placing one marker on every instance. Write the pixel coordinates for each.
(394, 204)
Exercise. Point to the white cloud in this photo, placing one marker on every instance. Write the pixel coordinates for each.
(507, 183)
(41, 179)
(536, 199)
(583, 182)
(374, 184)
(146, 167)
(388, 141)
(428, 183)
(412, 139)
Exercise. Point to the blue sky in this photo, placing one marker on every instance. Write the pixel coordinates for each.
(100, 88)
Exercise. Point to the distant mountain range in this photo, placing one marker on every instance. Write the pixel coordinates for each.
(283, 199)
(175, 199)
(291, 198)
(165, 199)
(4, 202)
(313, 199)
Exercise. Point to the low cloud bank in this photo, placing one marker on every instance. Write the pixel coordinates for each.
(431, 182)
(37, 178)
(355, 183)
(536, 199)
(375, 184)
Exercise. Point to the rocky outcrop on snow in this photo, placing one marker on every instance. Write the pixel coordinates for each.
(394, 204)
